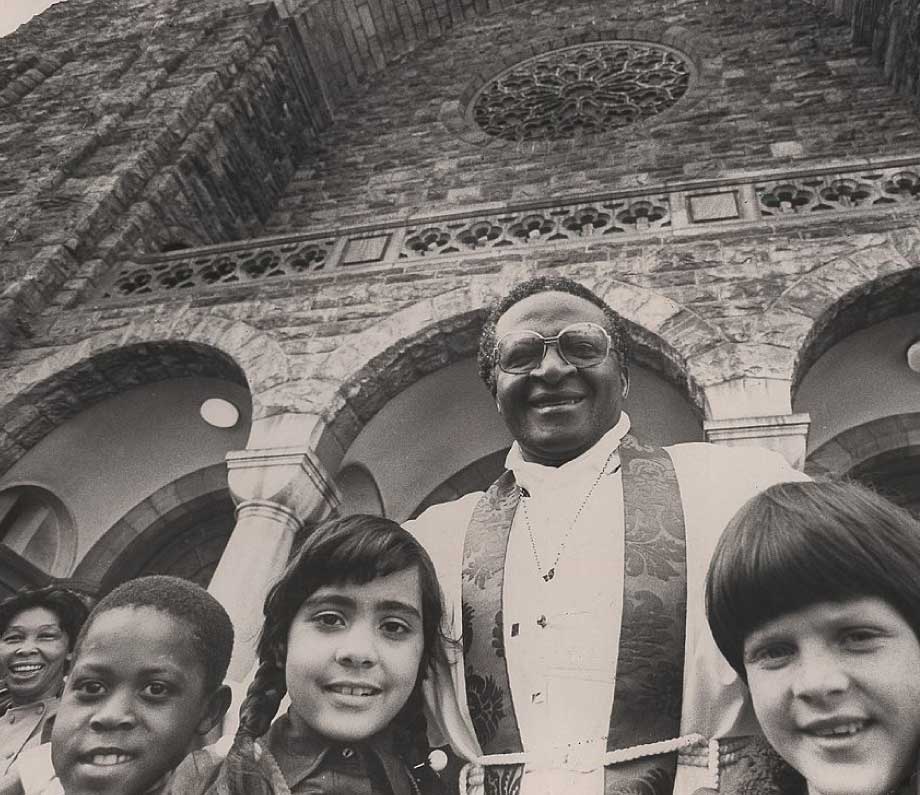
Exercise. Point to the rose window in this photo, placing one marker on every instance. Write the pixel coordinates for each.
(588, 89)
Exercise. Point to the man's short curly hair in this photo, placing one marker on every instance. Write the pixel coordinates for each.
(616, 326)
(70, 607)
(185, 601)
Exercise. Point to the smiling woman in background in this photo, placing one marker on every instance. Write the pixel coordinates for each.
(38, 628)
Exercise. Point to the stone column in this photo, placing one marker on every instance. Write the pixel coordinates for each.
(277, 491)
(784, 433)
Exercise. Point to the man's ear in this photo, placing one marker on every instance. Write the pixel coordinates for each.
(624, 377)
(215, 709)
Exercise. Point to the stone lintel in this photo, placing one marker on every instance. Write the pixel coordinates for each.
(784, 433)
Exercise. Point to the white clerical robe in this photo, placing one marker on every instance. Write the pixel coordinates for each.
(562, 660)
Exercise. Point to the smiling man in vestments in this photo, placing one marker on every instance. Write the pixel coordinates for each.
(576, 580)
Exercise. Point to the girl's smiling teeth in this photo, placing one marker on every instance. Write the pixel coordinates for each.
(354, 690)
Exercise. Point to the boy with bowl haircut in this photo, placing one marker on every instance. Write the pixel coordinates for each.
(813, 597)
(146, 685)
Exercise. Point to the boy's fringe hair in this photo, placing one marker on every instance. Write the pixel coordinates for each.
(798, 544)
(357, 549)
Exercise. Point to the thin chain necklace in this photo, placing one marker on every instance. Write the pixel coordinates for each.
(547, 576)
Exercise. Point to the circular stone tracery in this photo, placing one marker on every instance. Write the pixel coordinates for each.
(587, 89)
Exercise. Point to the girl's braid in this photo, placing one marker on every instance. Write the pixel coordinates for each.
(243, 776)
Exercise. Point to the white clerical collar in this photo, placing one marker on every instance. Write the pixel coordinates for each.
(531, 476)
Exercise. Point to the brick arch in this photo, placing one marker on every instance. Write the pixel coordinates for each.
(428, 335)
(141, 533)
(66, 382)
(888, 291)
(857, 445)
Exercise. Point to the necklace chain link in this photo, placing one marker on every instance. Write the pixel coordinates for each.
(551, 572)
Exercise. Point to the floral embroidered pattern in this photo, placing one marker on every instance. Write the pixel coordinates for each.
(504, 780)
(652, 781)
(650, 625)
(498, 641)
(649, 683)
(487, 705)
(467, 614)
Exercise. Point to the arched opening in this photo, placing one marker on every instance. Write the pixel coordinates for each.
(855, 381)
(359, 491)
(38, 527)
(180, 529)
(186, 542)
(896, 474)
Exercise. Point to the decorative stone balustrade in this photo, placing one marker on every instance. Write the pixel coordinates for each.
(765, 199)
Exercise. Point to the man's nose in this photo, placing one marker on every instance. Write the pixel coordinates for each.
(114, 713)
(358, 648)
(553, 366)
(818, 675)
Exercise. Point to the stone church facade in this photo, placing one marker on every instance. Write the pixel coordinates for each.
(301, 210)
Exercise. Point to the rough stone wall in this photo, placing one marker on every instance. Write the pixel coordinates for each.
(129, 125)
(352, 39)
(188, 123)
(892, 28)
(704, 310)
(786, 85)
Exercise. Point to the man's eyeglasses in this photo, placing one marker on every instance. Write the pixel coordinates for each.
(580, 345)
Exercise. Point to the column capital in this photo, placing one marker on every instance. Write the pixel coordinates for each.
(784, 433)
(290, 479)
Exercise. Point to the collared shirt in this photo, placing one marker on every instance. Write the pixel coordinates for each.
(21, 728)
(308, 763)
(312, 764)
(714, 482)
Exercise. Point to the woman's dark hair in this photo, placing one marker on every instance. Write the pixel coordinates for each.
(354, 549)
(798, 544)
(70, 607)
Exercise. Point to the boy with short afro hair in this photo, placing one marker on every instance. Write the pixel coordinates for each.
(146, 685)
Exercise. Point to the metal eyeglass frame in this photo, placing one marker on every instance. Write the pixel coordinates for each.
(547, 341)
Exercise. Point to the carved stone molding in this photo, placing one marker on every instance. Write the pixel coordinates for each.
(763, 200)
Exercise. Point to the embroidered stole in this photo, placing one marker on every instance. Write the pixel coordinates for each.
(648, 692)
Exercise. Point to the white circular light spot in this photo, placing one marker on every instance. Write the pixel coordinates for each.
(220, 413)
(913, 357)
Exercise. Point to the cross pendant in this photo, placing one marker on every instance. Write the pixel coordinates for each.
(549, 575)
(541, 622)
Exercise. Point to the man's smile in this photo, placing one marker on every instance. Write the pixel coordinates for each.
(544, 401)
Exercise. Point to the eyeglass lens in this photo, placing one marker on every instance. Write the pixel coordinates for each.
(581, 345)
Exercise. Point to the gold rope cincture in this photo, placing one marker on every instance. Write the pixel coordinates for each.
(610, 757)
